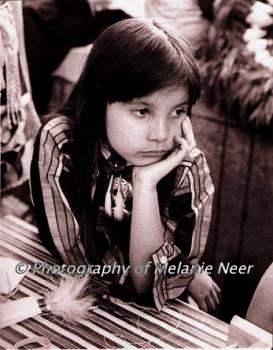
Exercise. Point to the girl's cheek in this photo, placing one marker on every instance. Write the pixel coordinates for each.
(178, 128)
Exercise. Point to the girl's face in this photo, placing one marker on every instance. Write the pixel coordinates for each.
(142, 130)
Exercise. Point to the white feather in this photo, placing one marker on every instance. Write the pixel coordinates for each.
(107, 200)
(67, 300)
(118, 210)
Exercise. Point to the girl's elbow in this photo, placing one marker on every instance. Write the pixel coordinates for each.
(140, 289)
(141, 284)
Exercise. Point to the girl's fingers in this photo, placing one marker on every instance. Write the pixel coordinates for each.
(188, 133)
(173, 160)
(203, 306)
(215, 296)
(210, 303)
(177, 154)
(217, 289)
(183, 149)
(186, 145)
(181, 143)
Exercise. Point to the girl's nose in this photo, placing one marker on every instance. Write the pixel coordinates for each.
(158, 130)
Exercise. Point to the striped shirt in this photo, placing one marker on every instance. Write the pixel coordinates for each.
(185, 199)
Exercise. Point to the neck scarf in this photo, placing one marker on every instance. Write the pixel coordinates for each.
(119, 189)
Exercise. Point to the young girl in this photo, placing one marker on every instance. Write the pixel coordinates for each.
(116, 176)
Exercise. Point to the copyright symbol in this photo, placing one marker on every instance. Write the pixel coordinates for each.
(21, 268)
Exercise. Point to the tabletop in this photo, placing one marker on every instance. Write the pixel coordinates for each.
(113, 324)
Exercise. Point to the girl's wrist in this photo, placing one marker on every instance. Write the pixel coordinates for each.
(142, 181)
(143, 186)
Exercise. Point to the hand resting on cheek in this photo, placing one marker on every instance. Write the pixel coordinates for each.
(151, 174)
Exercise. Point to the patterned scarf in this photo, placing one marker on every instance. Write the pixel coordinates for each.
(118, 197)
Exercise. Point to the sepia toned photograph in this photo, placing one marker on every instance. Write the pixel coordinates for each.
(136, 174)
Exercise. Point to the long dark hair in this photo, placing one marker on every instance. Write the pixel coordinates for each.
(130, 59)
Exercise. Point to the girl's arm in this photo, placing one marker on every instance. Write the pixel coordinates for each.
(51, 184)
(147, 233)
(178, 237)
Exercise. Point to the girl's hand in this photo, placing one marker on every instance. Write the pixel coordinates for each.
(150, 175)
(204, 291)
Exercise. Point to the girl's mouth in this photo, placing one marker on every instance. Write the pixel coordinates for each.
(154, 153)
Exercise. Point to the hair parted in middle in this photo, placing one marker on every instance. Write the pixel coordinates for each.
(130, 59)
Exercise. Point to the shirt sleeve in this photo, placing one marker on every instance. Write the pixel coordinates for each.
(50, 180)
(186, 221)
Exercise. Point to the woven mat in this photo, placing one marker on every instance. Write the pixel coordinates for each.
(113, 324)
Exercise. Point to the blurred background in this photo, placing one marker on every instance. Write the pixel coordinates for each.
(44, 46)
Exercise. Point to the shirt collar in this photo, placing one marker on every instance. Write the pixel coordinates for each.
(107, 155)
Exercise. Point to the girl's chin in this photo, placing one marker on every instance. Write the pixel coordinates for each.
(146, 161)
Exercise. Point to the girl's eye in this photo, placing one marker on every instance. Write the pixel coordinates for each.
(178, 113)
(141, 112)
